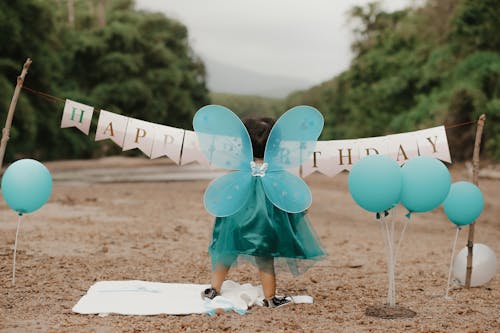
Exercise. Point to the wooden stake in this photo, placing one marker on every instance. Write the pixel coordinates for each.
(71, 13)
(12, 108)
(101, 13)
(475, 177)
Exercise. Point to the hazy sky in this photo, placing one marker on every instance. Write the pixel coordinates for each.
(306, 39)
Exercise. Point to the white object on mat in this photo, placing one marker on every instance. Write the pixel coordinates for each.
(151, 298)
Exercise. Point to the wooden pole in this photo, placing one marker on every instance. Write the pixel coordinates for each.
(101, 13)
(12, 108)
(475, 177)
(71, 13)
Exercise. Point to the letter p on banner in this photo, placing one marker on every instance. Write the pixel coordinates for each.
(77, 115)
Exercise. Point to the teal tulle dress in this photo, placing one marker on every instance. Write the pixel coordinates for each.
(261, 230)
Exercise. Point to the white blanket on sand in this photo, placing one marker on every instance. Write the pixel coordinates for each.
(152, 298)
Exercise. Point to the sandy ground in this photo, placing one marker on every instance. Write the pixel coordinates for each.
(159, 231)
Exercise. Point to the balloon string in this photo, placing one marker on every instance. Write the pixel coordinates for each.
(385, 234)
(382, 229)
(451, 262)
(15, 250)
(393, 221)
(406, 223)
(392, 301)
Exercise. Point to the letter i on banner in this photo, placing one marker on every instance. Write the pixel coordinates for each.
(168, 142)
(139, 134)
(111, 126)
(77, 115)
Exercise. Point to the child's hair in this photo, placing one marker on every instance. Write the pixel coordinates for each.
(259, 129)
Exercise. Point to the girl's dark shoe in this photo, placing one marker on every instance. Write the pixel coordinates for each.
(277, 301)
(209, 293)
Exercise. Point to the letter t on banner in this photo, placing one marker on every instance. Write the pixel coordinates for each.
(77, 115)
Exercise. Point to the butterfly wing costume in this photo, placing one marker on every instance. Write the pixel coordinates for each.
(259, 209)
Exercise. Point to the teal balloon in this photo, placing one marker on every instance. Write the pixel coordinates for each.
(26, 185)
(464, 203)
(426, 183)
(375, 183)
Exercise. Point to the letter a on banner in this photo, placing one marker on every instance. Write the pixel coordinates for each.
(111, 126)
(140, 134)
(77, 115)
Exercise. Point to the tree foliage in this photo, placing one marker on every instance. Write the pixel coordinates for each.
(246, 106)
(138, 64)
(417, 68)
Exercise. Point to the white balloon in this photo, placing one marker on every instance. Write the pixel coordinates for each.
(484, 265)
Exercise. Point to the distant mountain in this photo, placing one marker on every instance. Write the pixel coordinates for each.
(224, 78)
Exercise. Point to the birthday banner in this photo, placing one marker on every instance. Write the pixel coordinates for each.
(181, 146)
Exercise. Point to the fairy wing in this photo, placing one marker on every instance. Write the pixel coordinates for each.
(291, 142)
(293, 138)
(223, 138)
(227, 194)
(224, 141)
(287, 191)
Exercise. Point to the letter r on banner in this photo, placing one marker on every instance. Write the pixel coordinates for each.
(77, 115)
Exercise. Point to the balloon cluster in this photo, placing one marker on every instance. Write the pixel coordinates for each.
(377, 184)
(26, 185)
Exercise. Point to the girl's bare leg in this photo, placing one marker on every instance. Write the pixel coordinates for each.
(267, 276)
(218, 276)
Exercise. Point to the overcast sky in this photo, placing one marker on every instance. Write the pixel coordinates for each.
(306, 39)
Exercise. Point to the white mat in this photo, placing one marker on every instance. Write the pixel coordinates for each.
(152, 298)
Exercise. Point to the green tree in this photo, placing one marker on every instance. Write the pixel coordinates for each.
(131, 62)
(417, 68)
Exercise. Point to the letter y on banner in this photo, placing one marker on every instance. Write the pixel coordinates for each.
(433, 142)
(77, 115)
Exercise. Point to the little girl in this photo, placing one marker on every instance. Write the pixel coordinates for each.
(261, 233)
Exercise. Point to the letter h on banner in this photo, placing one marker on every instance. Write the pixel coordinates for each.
(77, 115)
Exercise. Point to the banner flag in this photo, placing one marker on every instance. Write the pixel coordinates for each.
(111, 126)
(77, 115)
(373, 146)
(402, 147)
(168, 142)
(345, 154)
(191, 151)
(139, 134)
(182, 147)
(321, 161)
(433, 142)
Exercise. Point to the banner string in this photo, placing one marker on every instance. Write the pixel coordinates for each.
(56, 99)
(461, 124)
(45, 95)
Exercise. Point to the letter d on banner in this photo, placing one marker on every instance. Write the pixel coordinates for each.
(77, 115)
